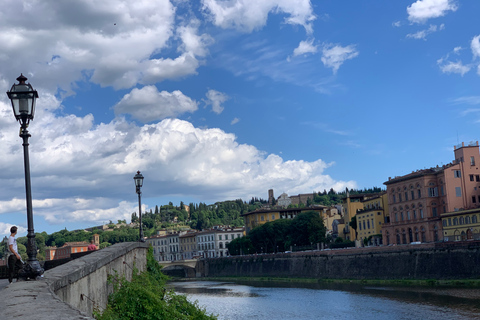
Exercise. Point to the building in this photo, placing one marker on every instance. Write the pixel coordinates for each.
(370, 219)
(418, 200)
(284, 200)
(54, 253)
(259, 217)
(461, 225)
(302, 198)
(188, 245)
(159, 245)
(350, 205)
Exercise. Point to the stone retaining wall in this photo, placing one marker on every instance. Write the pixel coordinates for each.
(432, 261)
(72, 290)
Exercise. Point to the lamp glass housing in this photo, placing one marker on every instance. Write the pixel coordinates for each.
(23, 99)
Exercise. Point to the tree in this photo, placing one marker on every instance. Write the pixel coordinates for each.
(353, 224)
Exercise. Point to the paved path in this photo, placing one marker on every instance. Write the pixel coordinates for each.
(3, 283)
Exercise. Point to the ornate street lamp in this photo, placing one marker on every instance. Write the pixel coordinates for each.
(23, 98)
(138, 185)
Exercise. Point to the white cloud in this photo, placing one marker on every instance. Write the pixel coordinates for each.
(472, 100)
(422, 10)
(148, 104)
(457, 50)
(305, 47)
(397, 24)
(475, 45)
(333, 56)
(235, 121)
(422, 34)
(249, 15)
(5, 228)
(455, 67)
(216, 99)
(114, 43)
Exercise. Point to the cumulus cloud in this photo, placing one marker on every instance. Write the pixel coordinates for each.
(305, 47)
(475, 45)
(83, 172)
(216, 99)
(333, 56)
(455, 67)
(5, 228)
(422, 10)
(249, 15)
(422, 34)
(148, 104)
(112, 43)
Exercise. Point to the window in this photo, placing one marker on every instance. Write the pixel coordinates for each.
(368, 224)
(458, 191)
(364, 225)
(477, 177)
(474, 199)
(396, 217)
(449, 221)
(360, 226)
(412, 194)
(273, 217)
(444, 223)
(461, 221)
(457, 173)
(414, 214)
(406, 196)
(421, 213)
(434, 212)
(433, 192)
(399, 197)
(419, 193)
(220, 237)
(471, 177)
(401, 215)
(467, 220)
(262, 218)
(442, 191)
(394, 200)
(408, 215)
(472, 161)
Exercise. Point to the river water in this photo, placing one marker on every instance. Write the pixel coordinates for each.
(269, 300)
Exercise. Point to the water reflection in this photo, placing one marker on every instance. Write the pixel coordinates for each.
(275, 300)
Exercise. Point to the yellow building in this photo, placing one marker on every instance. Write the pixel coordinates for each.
(259, 217)
(461, 225)
(350, 206)
(371, 218)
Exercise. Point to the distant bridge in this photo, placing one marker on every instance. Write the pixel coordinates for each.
(180, 268)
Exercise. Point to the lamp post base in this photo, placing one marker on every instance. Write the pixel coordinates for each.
(31, 270)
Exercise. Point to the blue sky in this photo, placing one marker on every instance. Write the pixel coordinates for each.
(215, 100)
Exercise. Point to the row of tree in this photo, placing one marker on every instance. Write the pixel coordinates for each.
(306, 229)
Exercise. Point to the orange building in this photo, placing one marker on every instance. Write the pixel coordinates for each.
(54, 253)
(417, 200)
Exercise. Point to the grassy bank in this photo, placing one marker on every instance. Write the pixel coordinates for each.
(393, 282)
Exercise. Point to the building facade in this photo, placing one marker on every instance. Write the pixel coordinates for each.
(419, 199)
(371, 218)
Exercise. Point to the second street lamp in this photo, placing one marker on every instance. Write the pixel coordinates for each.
(138, 185)
(23, 98)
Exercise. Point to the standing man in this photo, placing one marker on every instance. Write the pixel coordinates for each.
(14, 260)
(92, 246)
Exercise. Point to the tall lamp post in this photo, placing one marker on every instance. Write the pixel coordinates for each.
(23, 98)
(138, 185)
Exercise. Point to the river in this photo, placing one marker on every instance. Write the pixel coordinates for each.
(270, 300)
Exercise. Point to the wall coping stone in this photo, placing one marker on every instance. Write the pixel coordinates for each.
(32, 300)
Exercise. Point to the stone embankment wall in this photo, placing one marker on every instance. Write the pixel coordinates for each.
(73, 290)
(427, 261)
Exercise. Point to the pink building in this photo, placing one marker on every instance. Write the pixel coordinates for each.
(417, 200)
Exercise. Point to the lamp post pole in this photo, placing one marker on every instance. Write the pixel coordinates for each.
(138, 184)
(23, 98)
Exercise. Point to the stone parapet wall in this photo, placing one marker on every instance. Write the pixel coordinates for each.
(432, 261)
(72, 290)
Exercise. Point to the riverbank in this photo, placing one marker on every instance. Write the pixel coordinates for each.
(393, 282)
